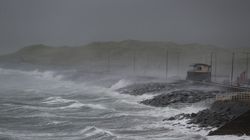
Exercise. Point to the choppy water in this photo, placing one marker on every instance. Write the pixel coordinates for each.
(41, 106)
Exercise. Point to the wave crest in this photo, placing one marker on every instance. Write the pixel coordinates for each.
(49, 75)
(92, 131)
(73, 103)
(120, 84)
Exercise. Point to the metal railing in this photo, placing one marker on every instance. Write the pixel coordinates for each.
(234, 96)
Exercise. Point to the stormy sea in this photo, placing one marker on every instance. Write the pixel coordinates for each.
(44, 105)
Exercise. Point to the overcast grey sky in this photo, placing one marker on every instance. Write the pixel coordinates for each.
(224, 23)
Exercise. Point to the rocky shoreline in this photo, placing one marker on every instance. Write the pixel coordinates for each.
(216, 115)
(180, 96)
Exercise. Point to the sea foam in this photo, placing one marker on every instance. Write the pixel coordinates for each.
(73, 103)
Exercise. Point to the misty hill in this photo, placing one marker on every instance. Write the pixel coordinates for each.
(123, 55)
(97, 51)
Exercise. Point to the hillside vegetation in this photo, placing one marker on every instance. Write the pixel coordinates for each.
(123, 55)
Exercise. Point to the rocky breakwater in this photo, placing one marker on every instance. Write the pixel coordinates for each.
(156, 87)
(144, 88)
(187, 93)
(216, 116)
(179, 96)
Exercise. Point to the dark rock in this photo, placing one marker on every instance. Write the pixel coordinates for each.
(140, 89)
(180, 96)
(217, 115)
(193, 115)
(169, 119)
(238, 126)
(156, 87)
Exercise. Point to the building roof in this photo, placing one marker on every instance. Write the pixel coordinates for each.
(200, 64)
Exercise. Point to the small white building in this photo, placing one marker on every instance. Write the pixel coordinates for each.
(199, 72)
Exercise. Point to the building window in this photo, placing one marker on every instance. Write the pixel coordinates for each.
(199, 68)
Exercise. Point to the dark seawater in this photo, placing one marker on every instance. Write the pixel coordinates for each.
(41, 106)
